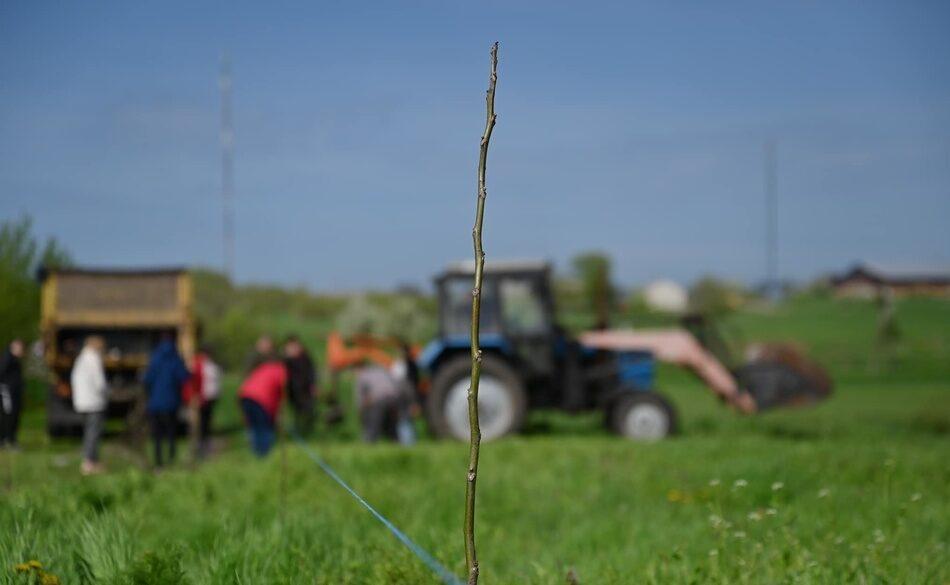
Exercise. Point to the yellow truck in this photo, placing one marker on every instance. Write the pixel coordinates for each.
(131, 310)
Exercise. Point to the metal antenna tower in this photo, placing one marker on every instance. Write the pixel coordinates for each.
(772, 286)
(227, 167)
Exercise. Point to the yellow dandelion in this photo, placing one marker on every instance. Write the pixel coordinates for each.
(31, 565)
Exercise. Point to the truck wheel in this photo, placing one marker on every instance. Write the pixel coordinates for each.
(643, 416)
(502, 401)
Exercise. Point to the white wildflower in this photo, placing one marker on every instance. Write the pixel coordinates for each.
(713, 553)
(915, 497)
(755, 516)
(823, 492)
(776, 486)
(771, 511)
(738, 534)
(739, 483)
(714, 482)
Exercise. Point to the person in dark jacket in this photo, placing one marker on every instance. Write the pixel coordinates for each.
(164, 379)
(11, 393)
(301, 384)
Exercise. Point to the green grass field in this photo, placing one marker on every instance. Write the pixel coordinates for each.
(855, 490)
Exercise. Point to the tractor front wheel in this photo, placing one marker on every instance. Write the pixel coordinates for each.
(502, 401)
(642, 416)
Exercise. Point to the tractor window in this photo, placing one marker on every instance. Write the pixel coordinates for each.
(457, 310)
(523, 308)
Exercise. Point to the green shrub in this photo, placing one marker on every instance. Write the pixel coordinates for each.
(155, 569)
(21, 254)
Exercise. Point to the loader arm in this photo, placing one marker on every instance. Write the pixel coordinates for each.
(678, 347)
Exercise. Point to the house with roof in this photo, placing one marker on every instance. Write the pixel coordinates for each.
(868, 281)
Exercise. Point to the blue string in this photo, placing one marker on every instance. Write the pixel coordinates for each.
(447, 576)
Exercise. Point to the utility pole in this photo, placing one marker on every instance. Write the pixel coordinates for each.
(227, 168)
(772, 286)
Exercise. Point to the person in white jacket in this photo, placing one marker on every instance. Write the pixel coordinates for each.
(90, 398)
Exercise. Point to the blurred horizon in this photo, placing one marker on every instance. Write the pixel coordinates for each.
(633, 130)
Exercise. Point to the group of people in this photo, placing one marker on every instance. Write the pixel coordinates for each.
(386, 396)
(168, 385)
(262, 391)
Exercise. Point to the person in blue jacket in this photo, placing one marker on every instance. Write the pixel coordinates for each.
(164, 379)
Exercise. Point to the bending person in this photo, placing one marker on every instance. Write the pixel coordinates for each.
(261, 395)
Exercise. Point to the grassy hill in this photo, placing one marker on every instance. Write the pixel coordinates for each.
(853, 491)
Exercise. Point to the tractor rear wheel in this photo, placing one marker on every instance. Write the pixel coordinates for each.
(502, 401)
(643, 416)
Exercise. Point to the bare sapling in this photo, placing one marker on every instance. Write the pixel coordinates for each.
(475, 437)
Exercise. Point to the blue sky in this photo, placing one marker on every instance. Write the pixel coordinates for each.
(636, 129)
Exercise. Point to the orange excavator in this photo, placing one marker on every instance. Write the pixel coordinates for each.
(343, 354)
(362, 348)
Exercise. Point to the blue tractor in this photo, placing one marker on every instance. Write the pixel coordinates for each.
(529, 361)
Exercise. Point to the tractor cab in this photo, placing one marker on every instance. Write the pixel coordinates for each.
(517, 313)
(528, 361)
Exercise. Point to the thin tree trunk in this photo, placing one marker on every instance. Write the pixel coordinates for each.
(475, 438)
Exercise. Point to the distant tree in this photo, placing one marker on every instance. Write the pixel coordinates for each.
(361, 316)
(404, 317)
(593, 271)
(712, 297)
(21, 254)
(214, 294)
(409, 289)
(639, 313)
(232, 335)
(819, 288)
(54, 255)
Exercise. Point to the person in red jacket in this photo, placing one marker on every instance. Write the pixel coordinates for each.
(261, 395)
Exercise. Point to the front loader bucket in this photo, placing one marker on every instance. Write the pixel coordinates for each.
(781, 375)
